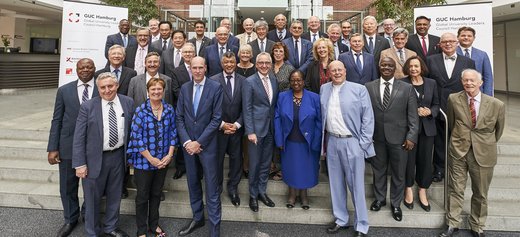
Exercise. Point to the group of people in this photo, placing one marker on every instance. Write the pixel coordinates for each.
(279, 98)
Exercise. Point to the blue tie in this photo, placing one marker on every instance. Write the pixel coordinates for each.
(358, 63)
(197, 98)
(116, 71)
(125, 41)
(371, 45)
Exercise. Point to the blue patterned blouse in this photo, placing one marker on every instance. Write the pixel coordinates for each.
(148, 133)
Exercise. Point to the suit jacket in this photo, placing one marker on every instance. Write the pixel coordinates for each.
(268, 47)
(130, 54)
(66, 109)
(205, 42)
(179, 76)
(137, 89)
(369, 72)
(203, 126)
(167, 64)
(118, 39)
(312, 77)
(399, 121)
(212, 56)
(415, 44)
(430, 100)
(392, 53)
(258, 112)
(157, 45)
(307, 35)
(356, 110)
(88, 137)
(483, 65)
(305, 56)
(484, 136)
(124, 79)
(273, 35)
(380, 44)
(343, 48)
(231, 103)
(309, 119)
(438, 73)
(232, 40)
(242, 38)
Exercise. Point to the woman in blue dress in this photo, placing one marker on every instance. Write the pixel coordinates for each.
(298, 135)
(153, 138)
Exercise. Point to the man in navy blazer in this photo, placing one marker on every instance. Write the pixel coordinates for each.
(379, 43)
(302, 57)
(98, 153)
(116, 58)
(466, 36)
(361, 71)
(199, 111)
(66, 108)
(135, 55)
(259, 94)
(334, 31)
(212, 53)
(232, 40)
(415, 41)
(279, 33)
(314, 32)
(121, 38)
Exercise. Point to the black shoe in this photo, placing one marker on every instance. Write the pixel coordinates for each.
(477, 234)
(397, 214)
(437, 177)
(179, 173)
(192, 226)
(266, 200)
(162, 196)
(117, 233)
(427, 208)
(449, 232)
(246, 173)
(235, 199)
(253, 204)
(66, 229)
(124, 194)
(359, 234)
(408, 205)
(376, 205)
(334, 228)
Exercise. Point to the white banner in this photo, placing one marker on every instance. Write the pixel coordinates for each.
(84, 31)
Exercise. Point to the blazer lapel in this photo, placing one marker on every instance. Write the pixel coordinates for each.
(143, 87)
(99, 117)
(223, 81)
(377, 92)
(484, 106)
(463, 100)
(203, 97)
(396, 87)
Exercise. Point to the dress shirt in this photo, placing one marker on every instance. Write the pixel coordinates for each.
(284, 32)
(81, 87)
(299, 48)
(336, 50)
(335, 123)
(426, 40)
(140, 55)
(382, 87)
(449, 64)
(232, 80)
(345, 41)
(367, 37)
(105, 107)
(123, 37)
(175, 55)
(260, 45)
(219, 46)
(167, 43)
(201, 89)
(470, 50)
(198, 43)
(268, 83)
(156, 37)
(120, 68)
(360, 57)
(476, 103)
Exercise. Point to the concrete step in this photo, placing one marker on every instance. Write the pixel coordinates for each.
(25, 134)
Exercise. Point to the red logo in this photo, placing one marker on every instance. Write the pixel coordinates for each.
(68, 71)
(74, 17)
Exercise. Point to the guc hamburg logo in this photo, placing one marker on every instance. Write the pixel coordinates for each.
(74, 17)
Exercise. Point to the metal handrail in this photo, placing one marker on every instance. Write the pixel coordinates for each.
(446, 173)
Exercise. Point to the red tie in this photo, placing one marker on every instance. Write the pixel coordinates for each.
(473, 111)
(424, 50)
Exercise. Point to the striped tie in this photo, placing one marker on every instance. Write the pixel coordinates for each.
(84, 97)
(112, 124)
(473, 111)
(386, 95)
(267, 88)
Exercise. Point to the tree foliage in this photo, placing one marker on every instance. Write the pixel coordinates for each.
(139, 11)
(401, 10)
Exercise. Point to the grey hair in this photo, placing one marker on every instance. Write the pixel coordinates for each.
(370, 17)
(264, 54)
(399, 31)
(261, 23)
(479, 76)
(107, 75)
(117, 46)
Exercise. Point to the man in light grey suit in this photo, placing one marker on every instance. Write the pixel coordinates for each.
(349, 123)
(137, 88)
(396, 131)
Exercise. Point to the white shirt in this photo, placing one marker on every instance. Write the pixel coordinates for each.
(283, 33)
(81, 87)
(105, 107)
(335, 123)
(382, 87)
(156, 37)
(268, 84)
(368, 40)
(140, 55)
(426, 40)
(449, 64)
(360, 57)
(219, 46)
(476, 103)
(470, 48)
(198, 43)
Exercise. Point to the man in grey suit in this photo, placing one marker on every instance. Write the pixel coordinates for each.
(396, 130)
(262, 43)
(200, 41)
(68, 99)
(98, 154)
(165, 30)
(172, 58)
(349, 123)
(259, 94)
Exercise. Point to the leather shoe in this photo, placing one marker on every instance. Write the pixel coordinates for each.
(477, 234)
(266, 200)
(66, 229)
(437, 177)
(124, 194)
(408, 205)
(376, 205)
(117, 233)
(397, 213)
(235, 199)
(427, 208)
(449, 232)
(359, 234)
(253, 204)
(334, 228)
(192, 226)
(179, 173)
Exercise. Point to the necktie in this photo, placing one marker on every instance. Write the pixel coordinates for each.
(139, 62)
(221, 51)
(228, 85)
(280, 35)
(267, 88)
(313, 38)
(164, 45)
(248, 39)
(371, 44)
(189, 72)
(401, 55)
(424, 49)
(125, 41)
(112, 125)
(177, 58)
(336, 51)
(386, 95)
(262, 48)
(452, 57)
(358, 63)
(473, 111)
(116, 71)
(296, 55)
(197, 98)
(84, 97)
(466, 53)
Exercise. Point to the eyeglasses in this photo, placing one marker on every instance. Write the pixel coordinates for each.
(263, 63)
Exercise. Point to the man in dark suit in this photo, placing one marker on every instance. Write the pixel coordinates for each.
(198, 118)
(423, 43)
(172, 58)
(259, 94)
(66, 108)
(346, 28)
(200, 41)
(98, 153)
(445, 68)
(153, 26)
(230, 130)
(134, 58)
(165, 30)
(121, 38)
(279, 33)
(116, 58)
(334, 36)
(261, 44)
(396, 130)
(389, 27)
(360, 65)
(314, 32)
(300, 50)
(374, 43)
(214, 52)
(232, 40)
